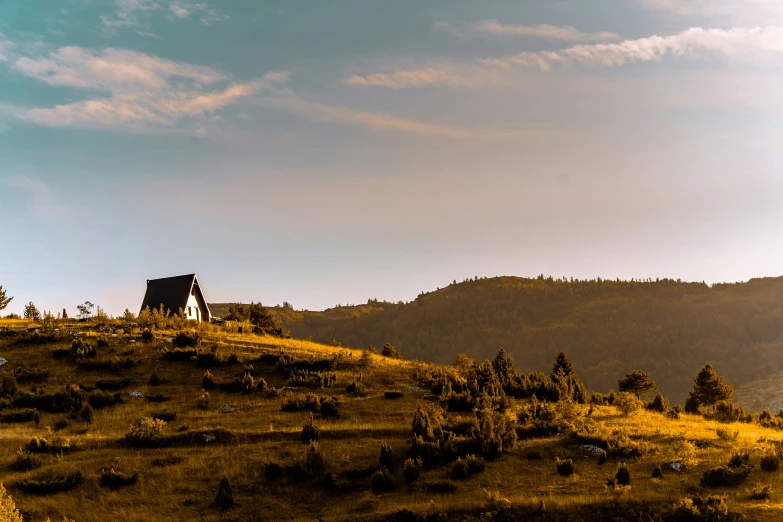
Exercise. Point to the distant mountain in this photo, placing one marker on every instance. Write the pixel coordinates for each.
(666, 327)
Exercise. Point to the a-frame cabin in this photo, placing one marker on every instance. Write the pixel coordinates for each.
(175, 293)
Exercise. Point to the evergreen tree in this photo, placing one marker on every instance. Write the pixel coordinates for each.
(504, 367)
(65, 314)
(637, 382)
(31, 312)
(562, 367)
(709, 387)
(4, 300)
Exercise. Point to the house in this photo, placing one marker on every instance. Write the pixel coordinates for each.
(175, 293)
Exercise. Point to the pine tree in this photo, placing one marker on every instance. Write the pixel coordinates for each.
(709, 387)
(3, 299)
(65, 314)
(31, 312)
(562, 367)
(504, 367)
(637, 382)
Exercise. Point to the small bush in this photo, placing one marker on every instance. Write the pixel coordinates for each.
(208, 382)
(727, 435)
(165, 416)
(712, 508)
(565, 468)
(50, 482)
(25, 461)
(19, 415)
(329, 408)
(622, 477)
(157, 397)
(390, 351)
(355, 387)
(463, 468)
(763, 493)
(691, 405)
(208, 359)
(115, 480)
(112, 384)
(314, 461)
(86, 413)
(738, 460)
(148, 433)
(382, 480)
(273, 471)
(386, 460)
(674, 412)
(186, 339)
(436, 486)
(392, 395)
(412, 469)
(224, 498)
(155, 379)
(627, 403)
(657, 472)
(147, 336)
(168, 460)
(309, 429)
(53, 444)
(770, 463)
(724, 477)
(660, 404)
(601, 457)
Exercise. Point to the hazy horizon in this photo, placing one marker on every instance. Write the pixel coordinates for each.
(330, 153)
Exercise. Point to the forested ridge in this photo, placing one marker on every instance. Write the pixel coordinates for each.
(666, 327)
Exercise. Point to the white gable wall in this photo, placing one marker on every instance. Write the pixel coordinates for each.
(191, 309)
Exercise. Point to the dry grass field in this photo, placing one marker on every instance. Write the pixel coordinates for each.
(175, 474)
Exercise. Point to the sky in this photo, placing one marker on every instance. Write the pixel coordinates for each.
(327, 153)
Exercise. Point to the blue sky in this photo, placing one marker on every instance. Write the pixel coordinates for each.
(330, 152)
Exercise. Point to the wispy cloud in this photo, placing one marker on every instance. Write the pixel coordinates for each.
(5, 46)
(142, 89)
(128, 14)
(135, 14)
(205, 14)
(739, 11)
(738, 44)
(384, 122)
(552, 32)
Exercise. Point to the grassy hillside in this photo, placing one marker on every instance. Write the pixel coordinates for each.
(60, 458)
(607, 327)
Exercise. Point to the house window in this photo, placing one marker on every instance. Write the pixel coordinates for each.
(190, 313)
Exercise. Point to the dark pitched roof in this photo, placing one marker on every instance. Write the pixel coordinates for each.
(171, 292)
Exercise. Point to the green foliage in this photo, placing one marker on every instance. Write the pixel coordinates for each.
(25, 461)
(712, 508)
(660, 403)
(310, 431)
(564, 468)
(627, 403)
(762, 493)
(637, 382)
(186, 339)
(262, 320)
(710, 388)
(147, 336)
(31, 312)
(622, 477)
(225, 497)
(463, 468)
(386, 459)
(727, 476)
(147, 433)
(4, 299)
(412, 469)
(109, 478)
(8, 511)
(390, 351)
(50, 482)
(382, 480)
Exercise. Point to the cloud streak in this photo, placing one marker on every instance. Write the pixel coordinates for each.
(738, 44)
(551, 32)
(384, 122)
(141, 89)
(739, 11)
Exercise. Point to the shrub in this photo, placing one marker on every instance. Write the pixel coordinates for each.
(738, 460)
(112, 384)
(386, 459)
(309, 429)
(411, 470)
(463, 468)
(168, 460)
(165, 416)
(627, 403)
(657, 472)
(208, 382)
(390, 351)
(329, 408)
(203, 401)
(436, 486)
(273, 471)
(25, 461)
(565, 468)
(148, 433)
(147, 336)
(763, 493)
(208, 358)
(770, 463)
(179, 354)
(248, 383)
(724, 477)
(19, 415)
(155, 379)
(86, 413)
(8, 511)
(314, 461)
(392, 395)
(660, 404)
(224, 498)
(712, 508)
(157, 397)
(115, 480)
(81, 349)
(355, 387)
(186, 339)
(622, 477)
(382, 480)
(691, 405)
(53, 444)
(727, 435)
(49, 482)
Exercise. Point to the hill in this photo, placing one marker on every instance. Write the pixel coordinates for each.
(100, 422)
(667, 327)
